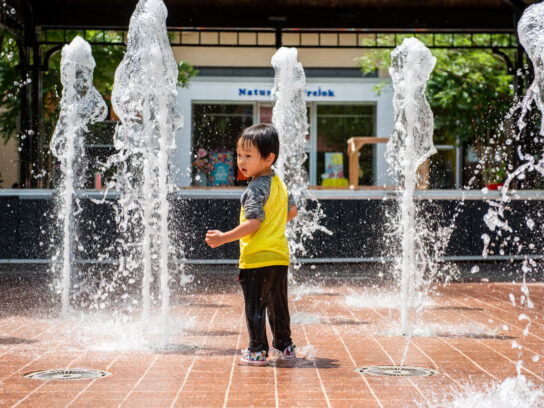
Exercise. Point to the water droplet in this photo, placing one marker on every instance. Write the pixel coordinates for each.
(512, 299)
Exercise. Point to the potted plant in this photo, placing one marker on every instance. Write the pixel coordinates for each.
(496, 176)
(202, 167)
(493, 152)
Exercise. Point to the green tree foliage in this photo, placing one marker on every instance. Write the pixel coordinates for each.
(10, 85)
(107, 59)
(470, 92)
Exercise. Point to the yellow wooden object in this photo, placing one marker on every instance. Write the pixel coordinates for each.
(356, 143)
(340, 182)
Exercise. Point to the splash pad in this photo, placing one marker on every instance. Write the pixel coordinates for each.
(344, 343)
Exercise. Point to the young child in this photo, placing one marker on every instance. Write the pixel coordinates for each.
(264, 254)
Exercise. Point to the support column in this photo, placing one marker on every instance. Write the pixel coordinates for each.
(278, 38)
(520, 81)
(37, 102)
(25, 148)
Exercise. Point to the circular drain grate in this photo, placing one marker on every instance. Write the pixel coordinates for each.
(66, 374)
(397, 371)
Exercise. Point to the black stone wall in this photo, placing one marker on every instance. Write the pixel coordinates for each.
(27, 227)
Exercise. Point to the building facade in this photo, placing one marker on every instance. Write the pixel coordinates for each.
(233, 91)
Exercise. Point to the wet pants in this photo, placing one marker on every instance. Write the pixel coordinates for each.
(265, 290)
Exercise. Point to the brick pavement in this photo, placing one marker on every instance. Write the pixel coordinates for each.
(465, 333)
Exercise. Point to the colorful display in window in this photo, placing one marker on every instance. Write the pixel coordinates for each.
(334, 170)
(202, 167)
(222, 162)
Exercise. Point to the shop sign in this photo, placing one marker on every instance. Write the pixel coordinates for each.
(329, 93)
(253, 92)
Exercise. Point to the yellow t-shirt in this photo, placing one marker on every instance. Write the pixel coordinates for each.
(268, 245)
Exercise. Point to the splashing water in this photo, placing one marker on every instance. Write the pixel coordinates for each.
(93, 332)
(290, 120)
(81, 104)
(429, 329)
(377, 298)
(305, 318)
(511, 393)
(531, 37)
(143, 97)
(304, 289)
(410, 145)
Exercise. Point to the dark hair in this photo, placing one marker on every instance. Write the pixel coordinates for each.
(264, 137)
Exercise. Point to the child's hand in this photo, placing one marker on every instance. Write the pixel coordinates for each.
(215, 238)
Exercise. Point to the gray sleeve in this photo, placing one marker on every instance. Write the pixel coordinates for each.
(290, 201)
(255, 197)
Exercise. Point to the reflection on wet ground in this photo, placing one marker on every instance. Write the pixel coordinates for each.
(466, 333)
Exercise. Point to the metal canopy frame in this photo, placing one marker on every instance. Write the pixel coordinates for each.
(299, 38)
(11, 21)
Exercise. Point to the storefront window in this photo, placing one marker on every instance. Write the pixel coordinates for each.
(442, 168)
(265, 116)
(335, 125)
(265, 112)
(215, 129)
(98, 149)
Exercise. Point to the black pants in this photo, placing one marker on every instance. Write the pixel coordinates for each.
(265, 289)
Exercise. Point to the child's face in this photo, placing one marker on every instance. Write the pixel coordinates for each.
(250, 161)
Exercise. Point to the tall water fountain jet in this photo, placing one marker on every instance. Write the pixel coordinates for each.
(144, 98)
(409, 146)
(81, 105)
(290, 120)
(531, 37)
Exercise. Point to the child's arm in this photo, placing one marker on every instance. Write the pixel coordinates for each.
(292, 213)
(215, 238)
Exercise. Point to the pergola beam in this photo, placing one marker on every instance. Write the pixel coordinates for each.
(438, 18)
(299, 38)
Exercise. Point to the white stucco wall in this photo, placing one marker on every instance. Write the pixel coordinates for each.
(329, 90)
